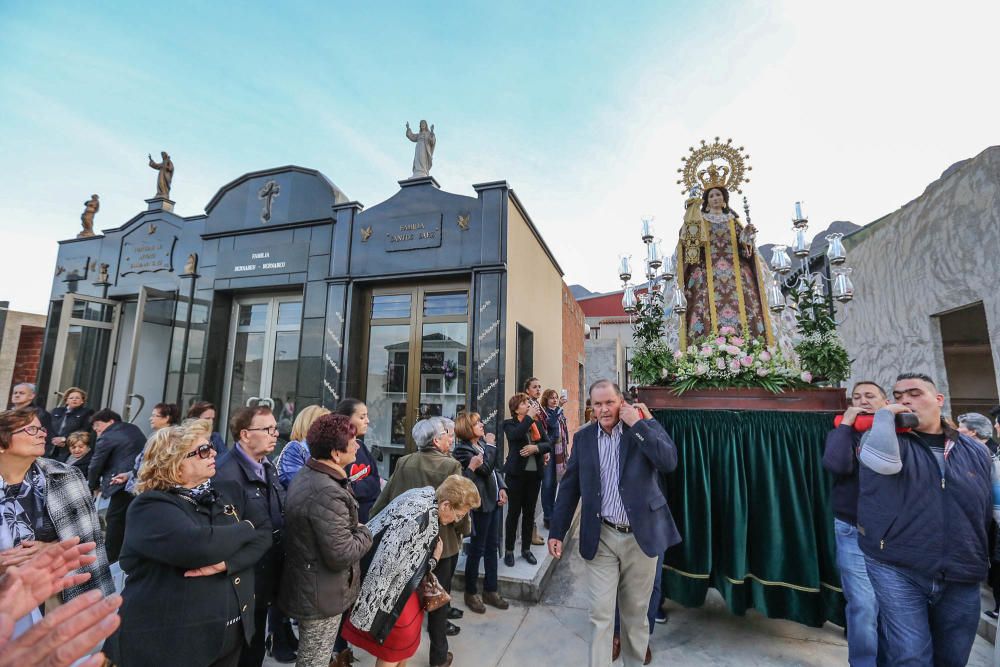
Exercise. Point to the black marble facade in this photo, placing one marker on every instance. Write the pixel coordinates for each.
(322, 245)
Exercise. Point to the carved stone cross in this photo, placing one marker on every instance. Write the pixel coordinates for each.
(267, 194)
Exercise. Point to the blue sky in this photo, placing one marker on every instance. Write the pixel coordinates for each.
(585, 108)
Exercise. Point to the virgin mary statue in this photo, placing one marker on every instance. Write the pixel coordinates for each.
(718, 267)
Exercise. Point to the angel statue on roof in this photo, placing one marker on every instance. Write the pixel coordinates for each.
(722, 275)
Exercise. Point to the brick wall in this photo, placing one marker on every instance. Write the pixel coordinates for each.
(29, 354)
(572, 357)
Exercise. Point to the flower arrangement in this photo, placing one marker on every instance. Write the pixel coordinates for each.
(450, 372)
(820, 348)
(730, 360)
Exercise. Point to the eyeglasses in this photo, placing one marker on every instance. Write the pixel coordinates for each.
(270, 430)
(201, 451)
(31, 430)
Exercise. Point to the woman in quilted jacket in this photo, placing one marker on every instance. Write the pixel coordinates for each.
(326, 542)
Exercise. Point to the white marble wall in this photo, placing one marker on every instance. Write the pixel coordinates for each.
(937, 253)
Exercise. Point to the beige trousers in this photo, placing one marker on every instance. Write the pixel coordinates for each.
(619, 571)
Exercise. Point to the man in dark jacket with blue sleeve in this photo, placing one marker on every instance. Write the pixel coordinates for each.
(118, 443)
(255, 433)
(841, 458)
(923, 512)
(625, 523)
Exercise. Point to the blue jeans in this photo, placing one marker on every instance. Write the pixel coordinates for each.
(862, 608)
(484, 545)
(923, 621)
(655, 600)
(549, 484)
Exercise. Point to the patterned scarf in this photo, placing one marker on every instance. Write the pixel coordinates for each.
(197, 492)
(16, 501)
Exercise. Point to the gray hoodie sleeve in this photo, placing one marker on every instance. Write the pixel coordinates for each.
(880, 446)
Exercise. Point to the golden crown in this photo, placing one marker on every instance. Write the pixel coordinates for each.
(729, 175)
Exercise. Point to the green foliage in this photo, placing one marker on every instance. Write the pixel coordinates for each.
(821, 350)
(651, 353)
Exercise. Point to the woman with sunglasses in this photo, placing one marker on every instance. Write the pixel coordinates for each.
(189, 553)
(42, 501)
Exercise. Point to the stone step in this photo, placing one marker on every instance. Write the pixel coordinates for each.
(524, 581)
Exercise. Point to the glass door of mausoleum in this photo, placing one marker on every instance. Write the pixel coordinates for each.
(263, 357)
(417, 346)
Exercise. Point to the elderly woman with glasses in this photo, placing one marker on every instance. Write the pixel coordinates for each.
(430, 465)
(189, 553)
(42, 501)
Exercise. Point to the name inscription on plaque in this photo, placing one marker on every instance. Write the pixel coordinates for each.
(414, 232)
(280, 258)
(148, 255)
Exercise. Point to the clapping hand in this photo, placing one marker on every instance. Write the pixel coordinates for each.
(476, 462)
(41, 571)
(64, 636)
(20, 554)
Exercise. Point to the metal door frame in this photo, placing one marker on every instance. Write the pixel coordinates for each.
(416, 322)
(140, 313)
(66, 320)
(271, 329)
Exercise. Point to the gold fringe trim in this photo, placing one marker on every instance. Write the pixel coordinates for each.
(764, 582)
(765, 306)
(682, 284)
(739, 279)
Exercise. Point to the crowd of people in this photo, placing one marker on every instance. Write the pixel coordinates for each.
(306, 555)
(229, 553)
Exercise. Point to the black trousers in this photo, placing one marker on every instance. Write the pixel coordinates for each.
(253, 655)
(437, 620)
(522, 499)
(232, 645)
(115, 518)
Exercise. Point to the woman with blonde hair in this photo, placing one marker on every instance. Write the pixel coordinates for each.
(295, 454)
(189, 553)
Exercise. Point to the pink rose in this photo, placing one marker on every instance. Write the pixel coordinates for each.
(701, 369)
(765, 356)
(733, 350)
(720, 341)
(678, 354)
(734, 365)
(762, 372)
(727, 331)
(720, 363)
(806, 376)
(737, 341)
(706, 351)
(747, 361)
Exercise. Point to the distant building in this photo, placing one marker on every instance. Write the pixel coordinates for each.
(21, 337)
(927, 288)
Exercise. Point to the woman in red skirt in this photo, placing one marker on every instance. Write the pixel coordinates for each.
(387, 618)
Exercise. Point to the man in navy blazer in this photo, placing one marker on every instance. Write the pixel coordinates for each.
(625, 523)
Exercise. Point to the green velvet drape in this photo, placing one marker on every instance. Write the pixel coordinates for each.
(752, 502)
